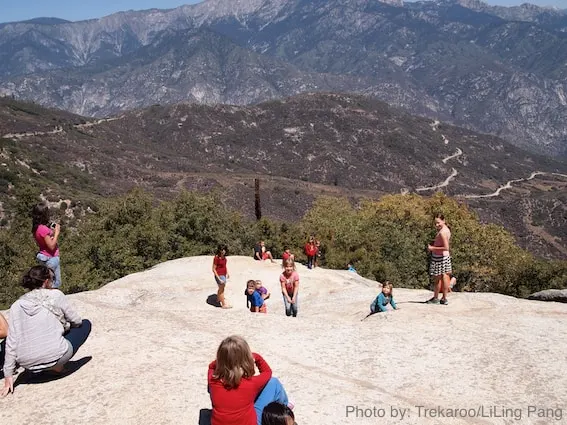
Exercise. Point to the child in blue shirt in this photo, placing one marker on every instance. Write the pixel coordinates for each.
(383, 299)
(254, 298)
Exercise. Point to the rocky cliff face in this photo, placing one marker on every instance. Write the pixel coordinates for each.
(493, 69)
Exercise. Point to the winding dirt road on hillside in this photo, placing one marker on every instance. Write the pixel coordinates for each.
(58, 129)
(457, 154)
(446, 182)
(183, 176)
(508, 185)
(454, 172)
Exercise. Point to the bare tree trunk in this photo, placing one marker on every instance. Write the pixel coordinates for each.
(257, 206)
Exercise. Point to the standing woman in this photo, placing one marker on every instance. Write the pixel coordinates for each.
(440, 267)
(220, 271)
(44, 331)
(46, 235)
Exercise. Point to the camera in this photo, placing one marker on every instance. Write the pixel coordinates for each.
(52, 225)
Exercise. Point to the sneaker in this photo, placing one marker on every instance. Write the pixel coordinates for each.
(444, 301)
(432, 301)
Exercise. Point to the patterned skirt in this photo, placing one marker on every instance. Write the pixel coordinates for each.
(440, 264)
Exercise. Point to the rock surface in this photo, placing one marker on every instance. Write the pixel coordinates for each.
(154, 335)
(558, 295)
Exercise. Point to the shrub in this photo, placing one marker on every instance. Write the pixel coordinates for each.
(386, 239)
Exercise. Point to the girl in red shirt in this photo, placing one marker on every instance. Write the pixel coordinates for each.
(221, 274)
(310, 250)
(238, 395)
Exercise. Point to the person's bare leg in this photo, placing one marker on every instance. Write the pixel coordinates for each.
(270, 256)
(57, 369)
(446, 281)
(220, 297)
(220, 294)
(437, 288)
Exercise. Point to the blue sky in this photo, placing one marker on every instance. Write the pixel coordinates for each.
(75, 10)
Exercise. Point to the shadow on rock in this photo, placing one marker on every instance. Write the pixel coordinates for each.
(71, 367)
(205, 416)
(213, 300)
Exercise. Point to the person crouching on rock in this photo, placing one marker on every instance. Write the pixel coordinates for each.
(44, 332)
(254, 298)
(238, 395)
(220, 271)
(384, 298)
(287, 254)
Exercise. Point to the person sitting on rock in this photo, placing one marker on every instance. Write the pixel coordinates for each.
(260, 252)
(380, 304)
(287, 254)
(44, 332)
(254, 299)
(238, 395)
(277, 414)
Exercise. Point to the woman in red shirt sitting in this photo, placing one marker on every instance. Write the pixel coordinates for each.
(237, 395)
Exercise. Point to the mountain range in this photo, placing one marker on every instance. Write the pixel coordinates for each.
(495, 70)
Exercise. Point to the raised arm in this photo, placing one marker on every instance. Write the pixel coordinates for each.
(259, 381)
(51, 239)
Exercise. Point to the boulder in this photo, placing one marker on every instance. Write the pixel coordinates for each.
(557, 295)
